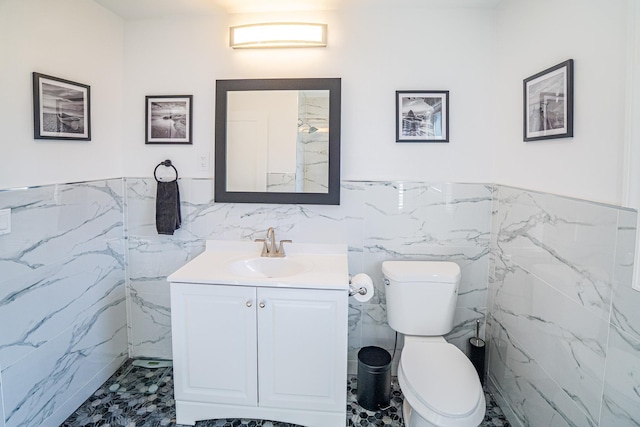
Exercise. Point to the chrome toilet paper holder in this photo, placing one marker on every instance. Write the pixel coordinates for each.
(353, 291)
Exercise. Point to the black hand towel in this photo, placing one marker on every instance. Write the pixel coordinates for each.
(168, 218)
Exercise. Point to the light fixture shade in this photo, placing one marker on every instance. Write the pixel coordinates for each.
(280, 34)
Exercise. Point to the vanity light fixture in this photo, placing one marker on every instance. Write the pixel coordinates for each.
(278, 34)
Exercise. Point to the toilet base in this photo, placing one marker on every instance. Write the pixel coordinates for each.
(409, 421)
(412, 419)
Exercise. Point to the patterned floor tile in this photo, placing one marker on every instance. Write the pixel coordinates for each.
(141, 397)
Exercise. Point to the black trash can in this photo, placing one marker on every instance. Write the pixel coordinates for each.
(374, 378)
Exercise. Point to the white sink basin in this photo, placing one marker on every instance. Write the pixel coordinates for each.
(310, 266)
(268, 267)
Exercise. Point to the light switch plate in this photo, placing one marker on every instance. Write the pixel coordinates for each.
(5, 221)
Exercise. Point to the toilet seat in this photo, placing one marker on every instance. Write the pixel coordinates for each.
(441, 384)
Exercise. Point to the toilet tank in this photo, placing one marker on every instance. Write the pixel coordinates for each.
(421, 296)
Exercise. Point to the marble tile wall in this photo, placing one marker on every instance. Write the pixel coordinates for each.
(312, 145)
(564, 324)
(84, 268)
(378, 221)
(2, 424)
(62, 298)
(405, 220)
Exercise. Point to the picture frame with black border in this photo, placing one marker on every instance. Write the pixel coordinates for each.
(169, 119)
(422, 116)
(548, 103)
(61, 109)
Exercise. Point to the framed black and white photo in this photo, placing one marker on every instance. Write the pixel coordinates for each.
(169, 119)
(61, 109)
(548, 103)
(422, 116)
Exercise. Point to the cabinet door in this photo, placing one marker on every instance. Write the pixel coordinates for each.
(214, 343)
(303, 349)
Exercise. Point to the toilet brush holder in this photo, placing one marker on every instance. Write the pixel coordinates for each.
(476, 350)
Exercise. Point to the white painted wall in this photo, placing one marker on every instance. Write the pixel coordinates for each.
(535, 35)
(375, 51)
(632, 153)
(170, 56)
(481, 55)
(76, 40)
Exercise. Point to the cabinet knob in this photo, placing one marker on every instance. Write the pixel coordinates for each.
(262, 305)
(249, 303)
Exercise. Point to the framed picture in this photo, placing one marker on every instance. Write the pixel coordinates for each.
(61, 109)
(422, 116)
(548, 103)
(169, 119)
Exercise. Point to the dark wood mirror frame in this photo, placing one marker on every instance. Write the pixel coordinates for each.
(223, 87)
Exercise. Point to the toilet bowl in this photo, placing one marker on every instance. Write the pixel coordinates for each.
(440, 385)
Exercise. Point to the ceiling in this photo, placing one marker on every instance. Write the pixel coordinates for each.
(135, 9)
(132, 9)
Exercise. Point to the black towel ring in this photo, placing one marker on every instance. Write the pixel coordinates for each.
(166, 163)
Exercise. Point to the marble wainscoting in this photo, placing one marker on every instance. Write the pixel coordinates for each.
(422, 221)
(62, 298)
(378, 221)
(564, 322)
(2, 423)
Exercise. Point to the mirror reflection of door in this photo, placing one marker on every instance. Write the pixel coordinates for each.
(247, 134)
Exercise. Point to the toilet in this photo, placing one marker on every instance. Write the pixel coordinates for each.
(440, 385)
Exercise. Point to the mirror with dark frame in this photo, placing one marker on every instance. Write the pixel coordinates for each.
(278, 141)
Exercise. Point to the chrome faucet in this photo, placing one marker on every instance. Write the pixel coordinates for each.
(271, 241)
(269, 245)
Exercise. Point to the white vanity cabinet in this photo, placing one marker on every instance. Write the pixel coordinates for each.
(214, 344)
(274, 353)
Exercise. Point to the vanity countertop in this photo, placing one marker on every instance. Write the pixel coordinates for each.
(305, 266)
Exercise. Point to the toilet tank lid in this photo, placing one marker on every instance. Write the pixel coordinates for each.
(421, 271)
